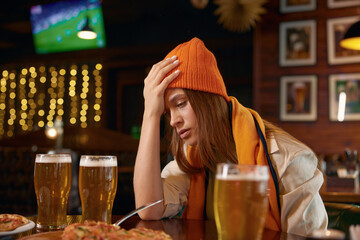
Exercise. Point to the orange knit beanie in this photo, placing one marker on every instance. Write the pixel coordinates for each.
(198, 69)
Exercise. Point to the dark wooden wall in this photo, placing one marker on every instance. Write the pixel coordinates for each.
(322, 135)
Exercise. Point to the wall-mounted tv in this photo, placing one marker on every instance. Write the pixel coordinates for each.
(55, 25)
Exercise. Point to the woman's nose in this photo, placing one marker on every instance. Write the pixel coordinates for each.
(175, 119)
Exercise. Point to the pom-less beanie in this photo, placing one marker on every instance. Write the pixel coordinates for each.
(198, 69)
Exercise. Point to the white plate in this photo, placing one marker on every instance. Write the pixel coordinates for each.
(26, 227)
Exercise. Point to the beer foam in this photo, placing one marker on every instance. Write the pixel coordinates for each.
(242, 177)
(98, 161)
(53, 158)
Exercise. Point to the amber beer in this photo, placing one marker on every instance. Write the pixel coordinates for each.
(240, 201)
(98, 177)
(52, 182)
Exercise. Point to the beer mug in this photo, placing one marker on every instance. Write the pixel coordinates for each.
(98, 177)
(52, 182)
(240, 201)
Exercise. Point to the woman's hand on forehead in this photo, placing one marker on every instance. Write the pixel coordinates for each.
(156, 83)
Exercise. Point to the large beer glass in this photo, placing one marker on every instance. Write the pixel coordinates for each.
(98, 177)
(52, 182)
(240, 201)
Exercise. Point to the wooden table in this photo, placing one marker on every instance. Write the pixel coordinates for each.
(179, 229)
(340, 195)
(337, 191)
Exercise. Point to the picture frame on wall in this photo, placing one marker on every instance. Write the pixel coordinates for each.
(344, 97)
(297, 43)
(287, 6)
(298, 98)
(342, 3)
(336, 28)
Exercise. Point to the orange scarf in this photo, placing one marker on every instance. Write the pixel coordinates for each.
(249, 151)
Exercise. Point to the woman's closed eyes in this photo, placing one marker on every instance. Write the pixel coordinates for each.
(181, 104)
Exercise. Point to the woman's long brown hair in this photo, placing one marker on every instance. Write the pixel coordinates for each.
(215, 141)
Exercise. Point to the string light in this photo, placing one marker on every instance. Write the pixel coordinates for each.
(12, 110)
(3, 83)
(61, 93)
(23, 100)
(37, 96)
(31, 94)
(40, 97)
(72, 94)
(83, 96)
(53, 95)
(98, 93)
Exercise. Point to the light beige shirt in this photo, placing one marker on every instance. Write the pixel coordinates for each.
(302, 209)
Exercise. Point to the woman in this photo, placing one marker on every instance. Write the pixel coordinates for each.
(210, 127)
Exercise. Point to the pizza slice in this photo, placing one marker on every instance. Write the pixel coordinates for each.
(146, 233)
(102, 230)
(88, 230)
(9, 222)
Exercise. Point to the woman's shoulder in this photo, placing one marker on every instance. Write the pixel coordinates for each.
(172, 168)
(291, 153)
(288, 144)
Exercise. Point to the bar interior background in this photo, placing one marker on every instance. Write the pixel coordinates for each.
(101, 89)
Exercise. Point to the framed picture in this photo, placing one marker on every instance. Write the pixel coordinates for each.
(297, 44)
(298, 98)
(336, 28)
(344, 97)
(287, 6)
(342, 3)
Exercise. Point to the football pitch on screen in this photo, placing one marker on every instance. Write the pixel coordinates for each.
(63, 35)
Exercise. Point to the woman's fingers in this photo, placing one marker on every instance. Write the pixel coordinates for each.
(161, 69)
(160, 65)
(155, 84)
(169, 79)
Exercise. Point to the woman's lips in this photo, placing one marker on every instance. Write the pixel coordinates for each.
(184, 133)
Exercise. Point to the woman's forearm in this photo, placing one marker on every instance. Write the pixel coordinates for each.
(147, 173)
(147, 176)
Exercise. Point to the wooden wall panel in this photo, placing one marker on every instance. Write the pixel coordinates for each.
(322, 135)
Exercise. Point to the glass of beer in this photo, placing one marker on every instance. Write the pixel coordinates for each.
(52, 182)
(240, 201)
(98, 177)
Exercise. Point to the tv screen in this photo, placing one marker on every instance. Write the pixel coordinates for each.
(55, 25)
